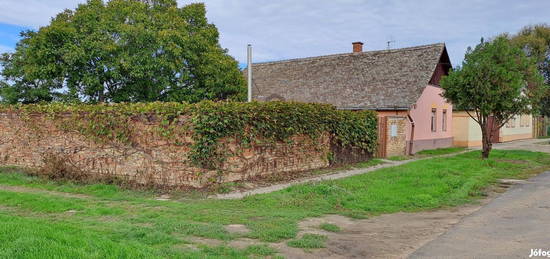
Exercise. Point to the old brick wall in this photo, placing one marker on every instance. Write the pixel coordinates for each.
(152, 158)
(396, 142)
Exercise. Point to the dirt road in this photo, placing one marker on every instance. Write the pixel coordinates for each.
(508, 227)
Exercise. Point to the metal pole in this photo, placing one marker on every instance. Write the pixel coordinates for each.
(249, 73)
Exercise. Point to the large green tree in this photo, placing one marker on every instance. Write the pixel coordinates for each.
(496, 82)
(535, 41)
(122, 51)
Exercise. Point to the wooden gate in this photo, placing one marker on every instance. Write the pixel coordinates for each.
(540, 125)
(496, 134)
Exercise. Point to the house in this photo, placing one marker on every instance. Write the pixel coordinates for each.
(402, 85)
(467, 132)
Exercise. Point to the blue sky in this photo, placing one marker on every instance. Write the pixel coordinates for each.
(9, 35)
(285, 29)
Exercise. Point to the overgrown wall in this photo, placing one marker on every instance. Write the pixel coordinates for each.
(182, 145)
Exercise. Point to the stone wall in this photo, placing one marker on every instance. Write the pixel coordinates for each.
(152, 159)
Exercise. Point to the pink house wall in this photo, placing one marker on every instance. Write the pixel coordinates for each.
(421, 113)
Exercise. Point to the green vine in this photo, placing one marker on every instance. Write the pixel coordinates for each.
(275, 121)
(210, 123)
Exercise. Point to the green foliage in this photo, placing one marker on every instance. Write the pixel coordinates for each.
(330, 227)
(275, 121)
(210, 123)
(496, 80)
(122, 51)
(309, 241)
(534, 40)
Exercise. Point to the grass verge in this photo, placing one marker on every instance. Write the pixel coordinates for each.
(105, 221)
(441, 151)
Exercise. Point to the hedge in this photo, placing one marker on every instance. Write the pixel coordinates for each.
(210, 122)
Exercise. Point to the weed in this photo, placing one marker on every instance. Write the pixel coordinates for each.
(330, 227)
(309, 241)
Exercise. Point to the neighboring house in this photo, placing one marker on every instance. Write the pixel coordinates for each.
(395, 83)
(467, 132)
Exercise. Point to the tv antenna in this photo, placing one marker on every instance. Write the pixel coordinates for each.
(389, 43)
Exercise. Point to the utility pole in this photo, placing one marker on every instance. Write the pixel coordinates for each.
(249, 61)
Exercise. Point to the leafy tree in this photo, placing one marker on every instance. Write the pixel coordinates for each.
(122, 51)
(535, 41)
(495, 83)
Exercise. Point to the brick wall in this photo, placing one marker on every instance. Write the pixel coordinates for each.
(152, 158)
(396, 141)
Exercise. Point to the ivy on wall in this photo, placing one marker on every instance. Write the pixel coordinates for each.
(211, 122)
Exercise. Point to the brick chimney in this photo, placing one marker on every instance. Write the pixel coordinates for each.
(357, 47)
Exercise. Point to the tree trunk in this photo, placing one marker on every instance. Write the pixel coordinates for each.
(487, 146)
(486, 140)
(100, 97)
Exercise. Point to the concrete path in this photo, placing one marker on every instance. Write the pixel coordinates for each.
(508, 227)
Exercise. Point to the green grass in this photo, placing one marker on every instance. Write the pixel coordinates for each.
(370, 163)
(361, 165)
(105, 221)
(441, 151)
(399, 158)
(309, 241)
(428, 153)
(263, 250)
(330, 227)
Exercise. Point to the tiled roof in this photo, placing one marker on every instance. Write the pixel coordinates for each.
(386, 79)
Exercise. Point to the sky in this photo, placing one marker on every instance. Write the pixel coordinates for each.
(286, 29)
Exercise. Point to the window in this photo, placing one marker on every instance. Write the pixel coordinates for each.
(434, 120)
(444, 121)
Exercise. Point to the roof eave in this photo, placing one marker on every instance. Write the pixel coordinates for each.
(374, 108)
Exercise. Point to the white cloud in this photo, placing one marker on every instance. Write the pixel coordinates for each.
(289, 28)
(33, 13)
(299, 28)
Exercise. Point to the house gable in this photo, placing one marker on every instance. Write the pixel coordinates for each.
(442, 69)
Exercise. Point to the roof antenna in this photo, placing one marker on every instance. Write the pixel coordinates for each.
(389, 43)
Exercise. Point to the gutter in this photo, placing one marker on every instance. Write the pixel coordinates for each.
(409, 152)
